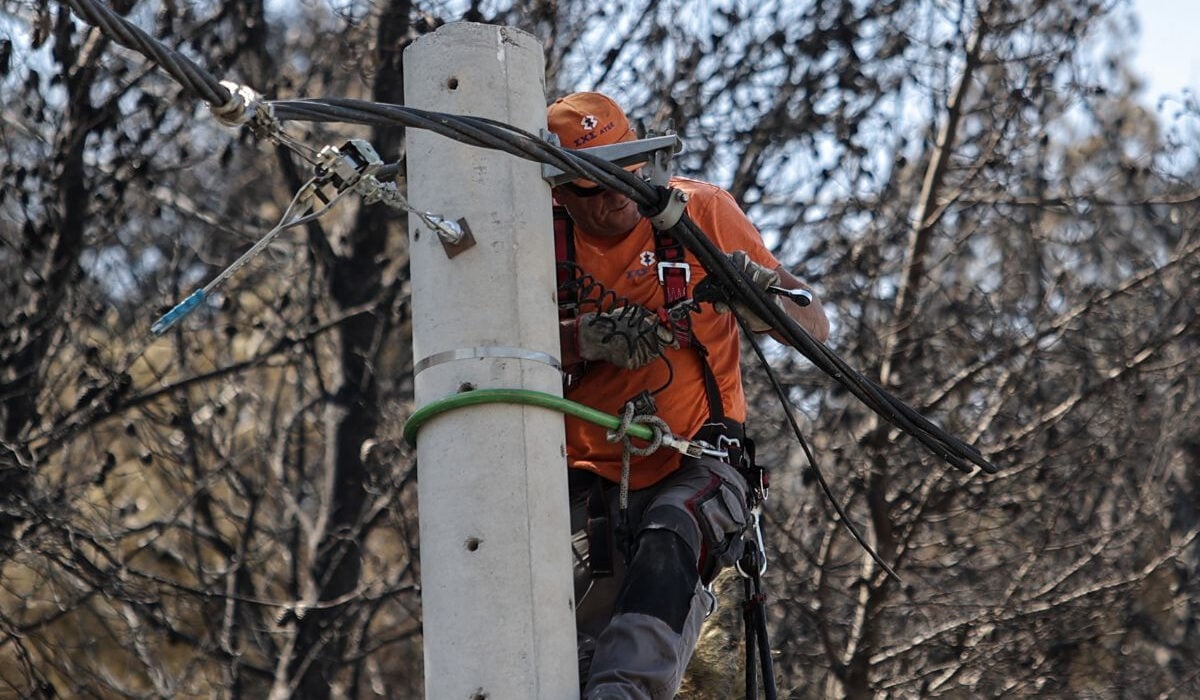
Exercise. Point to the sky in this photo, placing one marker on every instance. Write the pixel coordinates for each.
(1168, 50)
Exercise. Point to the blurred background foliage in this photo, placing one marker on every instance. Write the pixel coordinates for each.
(1005, 236)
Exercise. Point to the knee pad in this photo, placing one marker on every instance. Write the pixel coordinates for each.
(661, 578)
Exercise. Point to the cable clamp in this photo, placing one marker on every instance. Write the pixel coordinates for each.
(351, 166)
(672, 210)
(624, 154)
(242, 107)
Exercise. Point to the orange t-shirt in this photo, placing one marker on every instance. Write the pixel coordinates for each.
(628, 266)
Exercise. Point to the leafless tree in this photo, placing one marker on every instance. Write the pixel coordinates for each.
(1005, 235)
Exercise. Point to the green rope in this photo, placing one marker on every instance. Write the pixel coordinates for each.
(524, 397)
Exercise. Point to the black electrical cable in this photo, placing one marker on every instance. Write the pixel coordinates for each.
(129, 35)
(490, 134)
(474, 131)
(949, 448)
(786, 403)
(522, 144)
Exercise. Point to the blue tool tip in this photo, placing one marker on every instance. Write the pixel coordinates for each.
(182, 309)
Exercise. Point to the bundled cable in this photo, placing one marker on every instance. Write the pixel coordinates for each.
(950, 448)
(185, 72)
(490, 134)
(485, 133)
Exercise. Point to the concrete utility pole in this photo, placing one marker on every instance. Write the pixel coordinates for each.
(495, 551)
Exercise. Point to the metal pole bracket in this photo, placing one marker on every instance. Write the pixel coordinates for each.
(656, 152)
(672, 211)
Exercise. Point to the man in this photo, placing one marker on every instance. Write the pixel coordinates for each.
(683, 518)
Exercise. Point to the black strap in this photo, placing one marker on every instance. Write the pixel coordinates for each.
(730, 436)
(716, 411)
(568, 290)
(599, 531)
(564, 252)
(589, 488)
(754, 613)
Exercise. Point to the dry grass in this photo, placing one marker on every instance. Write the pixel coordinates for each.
(716, 671)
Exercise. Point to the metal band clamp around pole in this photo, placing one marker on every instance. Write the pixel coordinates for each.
(496, 352)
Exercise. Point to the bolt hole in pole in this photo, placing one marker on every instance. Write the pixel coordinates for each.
(465, 387)
(452, 83)
(473, 544)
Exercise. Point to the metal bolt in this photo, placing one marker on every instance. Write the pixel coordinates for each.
(449, 231)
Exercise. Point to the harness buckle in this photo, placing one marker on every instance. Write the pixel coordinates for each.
(687, 271)
(733, 447)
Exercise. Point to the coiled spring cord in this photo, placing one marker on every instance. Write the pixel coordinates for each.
(583, 293)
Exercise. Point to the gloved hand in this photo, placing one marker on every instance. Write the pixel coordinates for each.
(760, 277)
(627, 336)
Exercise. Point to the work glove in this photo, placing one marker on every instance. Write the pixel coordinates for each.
(627, 336)
(761, 277)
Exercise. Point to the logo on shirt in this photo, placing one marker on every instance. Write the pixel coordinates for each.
(647, 258)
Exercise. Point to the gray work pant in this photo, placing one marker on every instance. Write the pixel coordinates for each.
(638, 628)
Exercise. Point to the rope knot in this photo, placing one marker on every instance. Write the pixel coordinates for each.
(657, 425)
(630, 416)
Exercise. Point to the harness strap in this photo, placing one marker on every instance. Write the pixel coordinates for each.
(729, 435)
(599, 531)
(674, 274)
(754, 614)
(568, 293)
(564, 251)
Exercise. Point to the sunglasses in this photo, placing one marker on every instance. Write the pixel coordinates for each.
(584, 191)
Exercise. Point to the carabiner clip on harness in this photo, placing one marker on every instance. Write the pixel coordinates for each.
(752, 566)
(754, 614)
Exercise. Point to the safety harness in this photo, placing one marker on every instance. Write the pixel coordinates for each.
(674, 274)
(724, 434)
